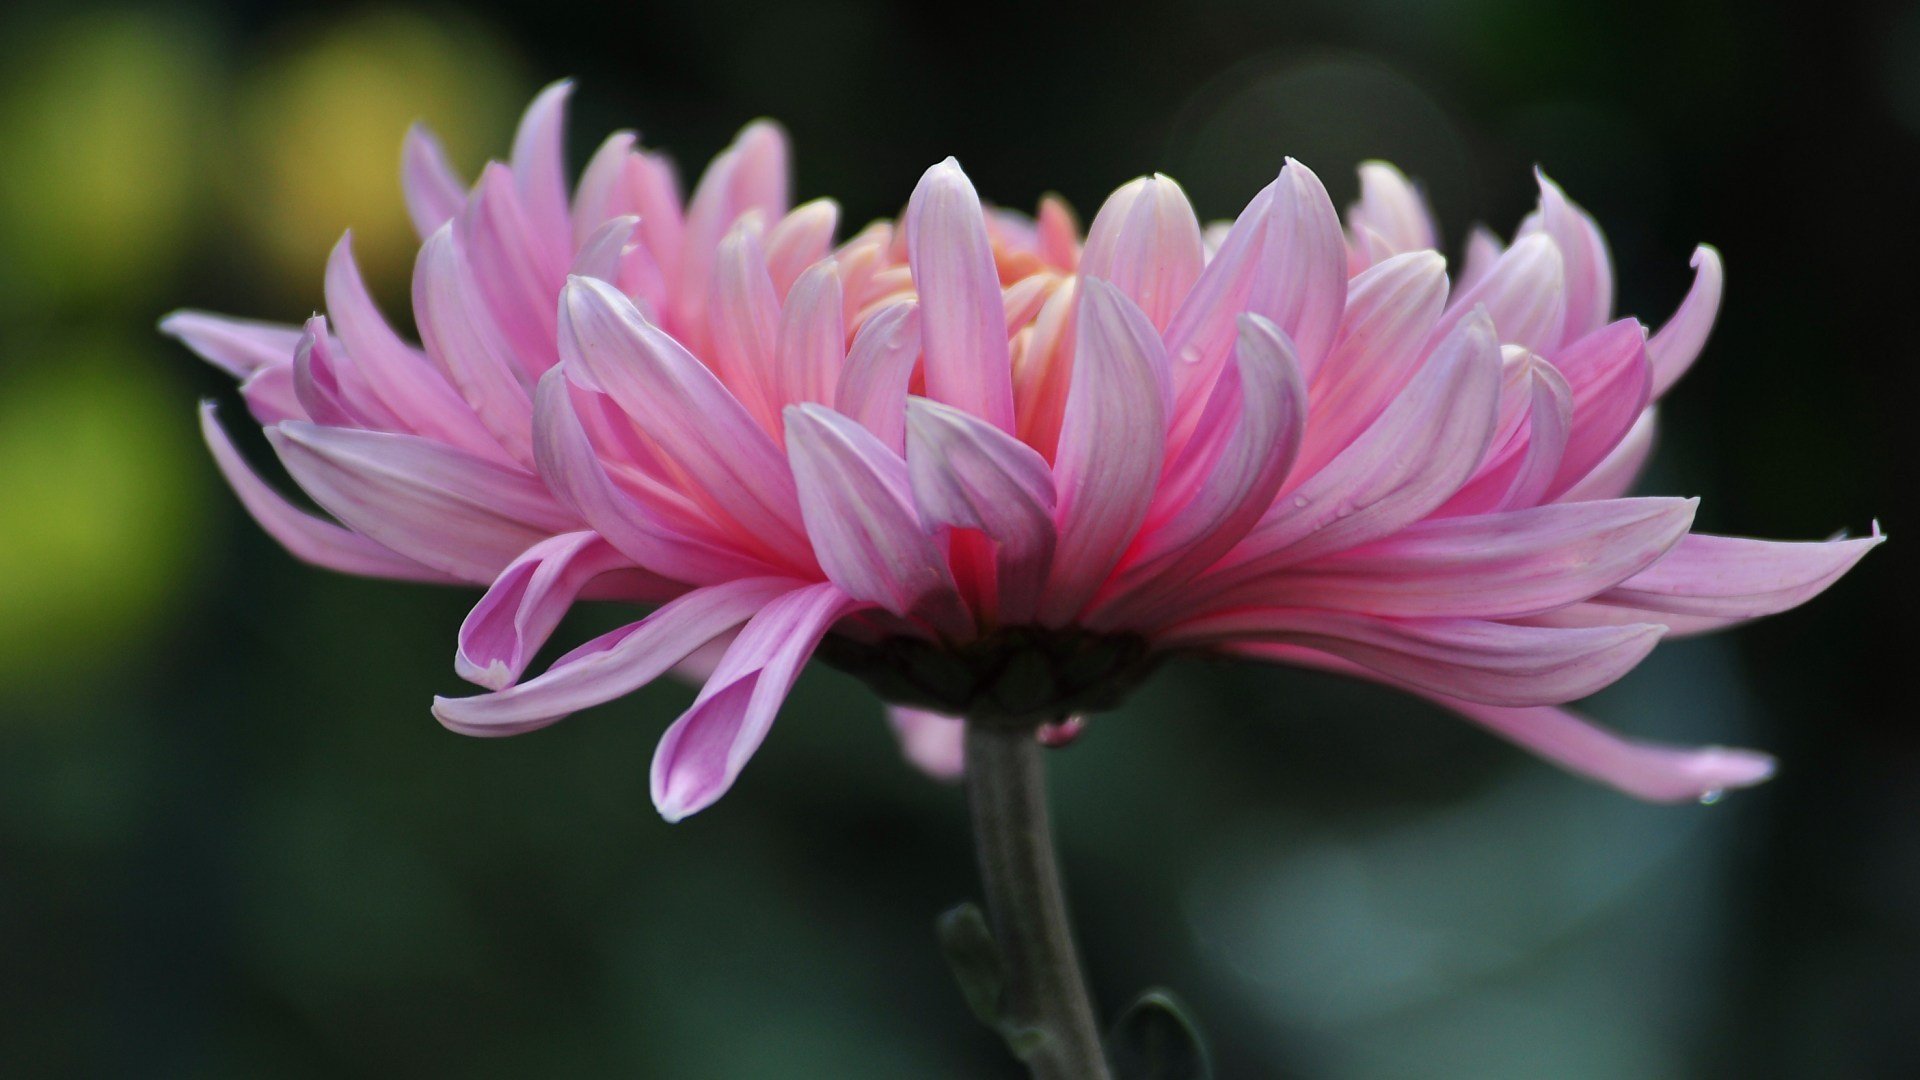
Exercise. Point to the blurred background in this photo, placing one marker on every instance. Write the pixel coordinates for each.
(233, 843)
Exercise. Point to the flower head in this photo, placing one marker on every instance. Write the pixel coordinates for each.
(997, 472)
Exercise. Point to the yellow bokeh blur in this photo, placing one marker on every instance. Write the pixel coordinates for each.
(105, 491)
(320, 127)
(102, 120)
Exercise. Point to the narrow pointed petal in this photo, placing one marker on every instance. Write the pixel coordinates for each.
(968, 474)
(1483, 250)
(962, 326)
(676, 400)
(879, 366)
(466, 344)
(306, 537)
(524, 604)
(811, 347)
(800, 240)
(1656, 772)
(1525, 294)
(1391, 310)
(239, 347)
(1549, 429)
(1490, 566)
(933, 743)
(271, 397)
(1617, 472)
(1675, 347)
(702, 754)
(599, 196)
(539, 161)
(518, 270)
(1112, 445)
(1301, 285)
(616, 663)
(743, 321)
(749, 175)
(579, 480)
(858, 503)
(402, 377)
(1589, 268)
(1391, 208)
(316, 382)
(1492, 663)
(1413, 457)
(433, 190)
(1611, 383)
(1709, 582)
(602, 253)
(1146, 242)
(459, 514)
(1202, 331)
(1057, 232)
(1269, 401)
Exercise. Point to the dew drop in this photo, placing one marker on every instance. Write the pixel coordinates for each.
(1300, 500)
(1711, 796)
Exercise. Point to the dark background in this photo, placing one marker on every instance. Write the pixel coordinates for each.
(234, 844)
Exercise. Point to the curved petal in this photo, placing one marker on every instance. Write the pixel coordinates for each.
(1145, 241)
(1607, 373)
(526, 602)
(1677, 344)
(799, 240)
(968, 474)
(812, 344)
(962, 326)
(240, 347)
(1589, 269)
(702, 754)
(461, 336)
(858, 505)
(1524, 292)
(615, 663)
(449, 510)
(1493, 663)
(1301, 285)
(540, 168)
(934, 743)
(306, 537)
(433, 190)
(1112, 445)
(1490, 566)
(674, 398)
(1391, 208)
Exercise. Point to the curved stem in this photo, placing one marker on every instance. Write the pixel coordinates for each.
(1007, 794)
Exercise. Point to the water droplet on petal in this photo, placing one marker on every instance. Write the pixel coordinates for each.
(1711, 796)
(1300, 501)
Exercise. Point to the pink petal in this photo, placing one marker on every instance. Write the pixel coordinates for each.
(702, 754)
(1483, 249)
(1616, 473)
(516, 265)
(317, 385)
(1589, 269)
(1112, 445)
(1675, 347)
(1391, 208)
(461, 336)
(743, 321)
(729, 459)
(961, 322)
(858, 503)
(615, 663)
(402, 377)
(1657, 772)
(603, 252)
(1267, 402)
(1493, 663)
(812, 344)
(1391, 309)
(1610, 381)
(934, 743)
(968, 474)
(306, 537)
(1302, 281)
(879, 365)
(1146, 242)
(1417, 454)
(1710, 582)
(433, 190)
(801, 239)
(1057, 233)
(749, 175)
(239, 347)
(1490, 566)
(1524, 293)
(459, 514)
(578, 479)
(600, 194)
(525, 603)
(540, 168)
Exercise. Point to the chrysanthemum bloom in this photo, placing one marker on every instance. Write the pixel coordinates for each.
(997, 474)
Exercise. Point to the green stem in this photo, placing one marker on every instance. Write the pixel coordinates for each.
(1046, 993)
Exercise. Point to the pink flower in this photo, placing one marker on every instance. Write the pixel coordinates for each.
(994, 472)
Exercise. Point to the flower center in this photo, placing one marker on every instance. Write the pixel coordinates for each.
(1018, 676)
